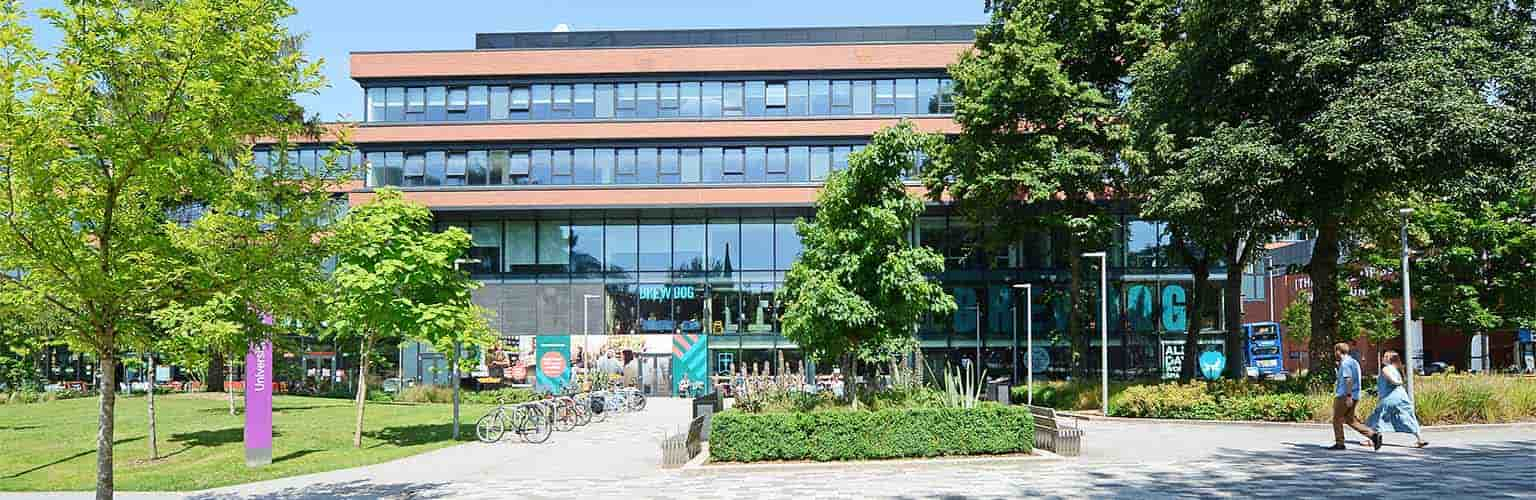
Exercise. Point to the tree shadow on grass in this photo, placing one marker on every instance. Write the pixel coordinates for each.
(412, 435)
(294, 455)
(68, 458)
(18, 427)
(349, 490)
(213, 438)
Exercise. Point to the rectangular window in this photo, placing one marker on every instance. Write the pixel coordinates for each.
(376, 104)
(842, 96)
(437, 167)
(415, 100)
(712, 99)
(688, 100)
(799, 98)
(645, 165)
(394, 164)
(757, 164)
(500, 164)
(733, 99)
(500, 104)
(479, 103)
(584, 103)
(690, 159)
(520, 245)
(562, 166)
(458, 100)
(395, 104)
(863, 97)
(778, 160)
(554, 245)
(821, 162)
(711, 161)
(541, 166)
(626, 96)
(415, 169)
(735, 162)
(885, 97)
(375, 168)
(519, 168)
(458, 166)
(603, 162)
(542, 99)
(668, 167)
(757, 98)
(522, 99)
(799, 164)
(840, 157)
(821, 97)
(626, 164)
(437, 102)
(928, 95)
(778, 94)
(563, 98)
(645, 100)
(667, 102)
(906, 96)
(946, 96)
(604, 93)
(582, 167)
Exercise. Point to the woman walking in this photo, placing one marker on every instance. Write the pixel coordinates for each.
(1394, 410)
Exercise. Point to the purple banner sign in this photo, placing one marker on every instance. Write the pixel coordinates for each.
(258, 404)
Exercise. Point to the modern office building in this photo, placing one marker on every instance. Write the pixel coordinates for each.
(638, 190)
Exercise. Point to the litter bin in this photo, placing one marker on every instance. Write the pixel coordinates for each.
(704, 406)
(1004, 393)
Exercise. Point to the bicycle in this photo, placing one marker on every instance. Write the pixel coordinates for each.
(529, 420)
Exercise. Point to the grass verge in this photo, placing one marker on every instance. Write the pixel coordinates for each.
(51, 446)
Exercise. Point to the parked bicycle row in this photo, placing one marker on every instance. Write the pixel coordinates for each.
(535, 421)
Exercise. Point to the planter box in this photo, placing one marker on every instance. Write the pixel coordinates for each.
(988, 429)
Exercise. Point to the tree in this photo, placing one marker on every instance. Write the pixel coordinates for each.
(1037, 100)
(860, 287)
(142, 108)
(1366, 102)
(396, 278)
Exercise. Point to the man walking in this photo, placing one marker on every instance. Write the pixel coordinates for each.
(1346, 394)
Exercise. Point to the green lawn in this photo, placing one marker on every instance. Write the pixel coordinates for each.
(52, 446)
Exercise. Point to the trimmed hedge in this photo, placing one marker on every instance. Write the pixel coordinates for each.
(864, 435)
(1197, 401)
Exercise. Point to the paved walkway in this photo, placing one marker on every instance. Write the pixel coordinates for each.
(1120, 459)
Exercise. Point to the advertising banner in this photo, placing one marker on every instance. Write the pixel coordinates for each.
(690, 363)
(552, 358)
(258, 404)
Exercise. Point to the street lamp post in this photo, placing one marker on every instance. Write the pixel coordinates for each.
(1407, 306)
(1103, 327)
(1269, 288)
(457, 266)
(1029, 342)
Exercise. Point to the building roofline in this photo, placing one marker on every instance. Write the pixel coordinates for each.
(807, 35)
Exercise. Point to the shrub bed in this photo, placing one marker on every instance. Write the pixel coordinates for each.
(512, 395)
(1197, 400)
(865, 435)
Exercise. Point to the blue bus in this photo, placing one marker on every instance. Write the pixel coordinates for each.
(1266, 352)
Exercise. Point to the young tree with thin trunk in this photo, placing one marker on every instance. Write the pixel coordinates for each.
(395, 278)
(860, 287)
(142, 107)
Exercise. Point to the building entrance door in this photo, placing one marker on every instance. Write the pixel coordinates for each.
(656, 374)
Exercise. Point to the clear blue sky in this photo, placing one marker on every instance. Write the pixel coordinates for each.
(337, 27)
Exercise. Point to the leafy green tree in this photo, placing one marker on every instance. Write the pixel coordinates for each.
(860, 287)
(144, 107)
(394, 277)
(1037, 99)
(1215, 181)
(1359, 103)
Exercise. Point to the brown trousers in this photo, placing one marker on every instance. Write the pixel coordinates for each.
(1344, 414)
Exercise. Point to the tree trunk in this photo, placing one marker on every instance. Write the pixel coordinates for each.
(216, 371)
(154, 444)
(362, 391)
(1078, 337)
(1239, 255)
(229, 376)
(106, 367)
(1324, 271)
(1190, 368)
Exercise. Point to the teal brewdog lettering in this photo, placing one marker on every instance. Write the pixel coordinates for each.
(258, 402)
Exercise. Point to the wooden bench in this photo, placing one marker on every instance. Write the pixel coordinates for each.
(1055, 433)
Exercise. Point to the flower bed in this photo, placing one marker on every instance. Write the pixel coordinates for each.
(865, 435)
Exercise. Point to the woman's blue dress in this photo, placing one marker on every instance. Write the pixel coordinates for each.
(1394, 411)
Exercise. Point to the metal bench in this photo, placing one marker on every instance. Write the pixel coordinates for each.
(1056, 434)
(678, 449)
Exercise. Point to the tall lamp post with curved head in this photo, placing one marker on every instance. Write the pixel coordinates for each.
(1407, 306)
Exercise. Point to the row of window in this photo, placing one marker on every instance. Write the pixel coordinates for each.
(597, 166)
(642, 100)
(305, 161)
